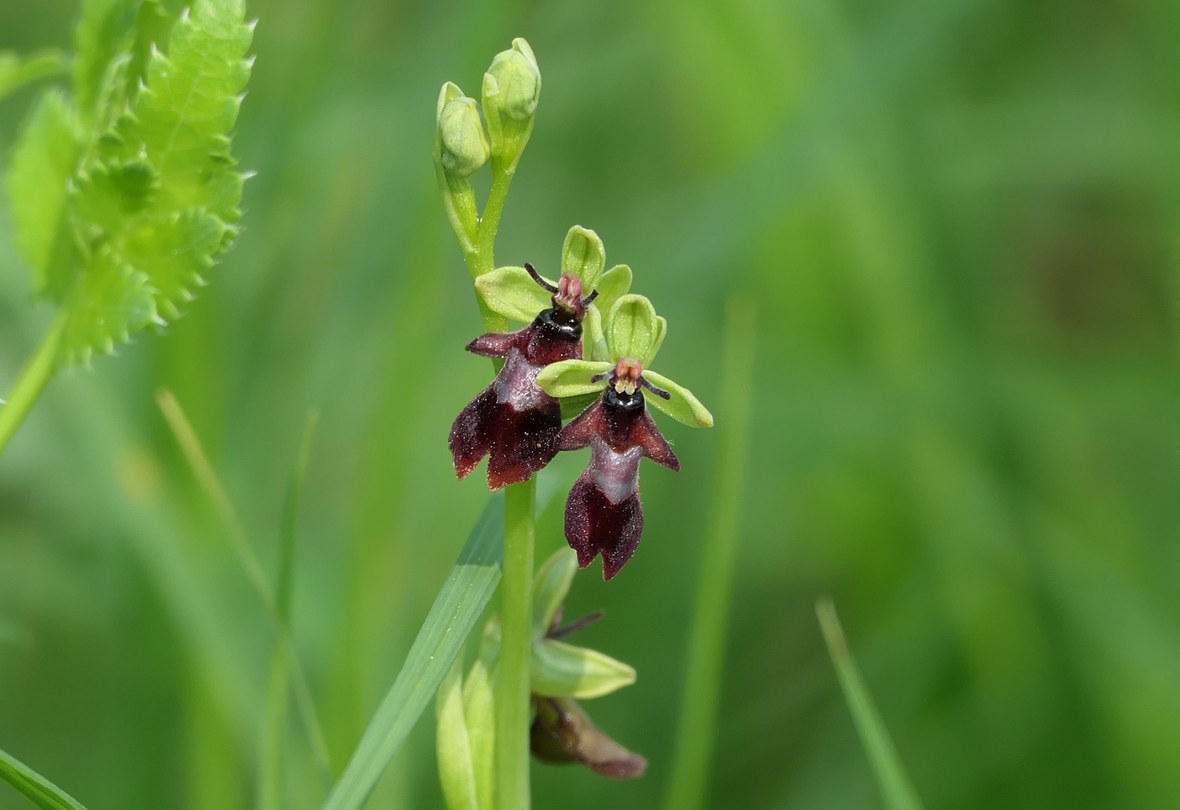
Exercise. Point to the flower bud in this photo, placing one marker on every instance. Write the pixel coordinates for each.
(465, 144)
(518, 81)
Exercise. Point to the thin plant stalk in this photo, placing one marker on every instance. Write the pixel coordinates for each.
(34, 377)
(513, 706)
(688, 788)
(516, 611)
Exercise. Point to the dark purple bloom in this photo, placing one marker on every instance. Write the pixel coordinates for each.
(603, 514)
(513, 421)
(563, 732)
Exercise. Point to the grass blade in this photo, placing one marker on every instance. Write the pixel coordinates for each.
(891, 776)
(39, 790)
(688, 787)
(206, 476)
(270, 778)
(468, 589)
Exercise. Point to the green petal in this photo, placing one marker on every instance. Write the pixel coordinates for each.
(563, 670)
(571, 378)
(511, 292)
(550, 588)
(683, 406)
(584, 256)
(632, 329)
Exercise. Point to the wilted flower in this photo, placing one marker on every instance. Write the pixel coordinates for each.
(603, 514)
(563, 732)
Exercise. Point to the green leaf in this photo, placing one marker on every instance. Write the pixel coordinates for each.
(112, 300)
(633, 329)
(43, 162)
(105, 31)
(511, 292)
(182, 117)
(479, 713)
(551, 586)
(563, 670)
(35, 787)
(571, 378)
(105, 199)
(459, 604)
(895, 785)
(583, 255)
(16, 72)
(453, 746)
(174, 254)
(683, 406)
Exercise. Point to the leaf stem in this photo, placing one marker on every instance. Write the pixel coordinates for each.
(32, 382)
(516, 612)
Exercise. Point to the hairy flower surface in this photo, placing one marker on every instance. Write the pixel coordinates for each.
(513, 421)
(603, 514)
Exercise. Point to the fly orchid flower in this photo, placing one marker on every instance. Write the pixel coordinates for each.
(513, 421)
(603, 514)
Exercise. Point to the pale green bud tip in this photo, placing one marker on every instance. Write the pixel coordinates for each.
(518, 80)
(465, 144)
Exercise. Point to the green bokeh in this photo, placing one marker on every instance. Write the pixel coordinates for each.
(959, 221)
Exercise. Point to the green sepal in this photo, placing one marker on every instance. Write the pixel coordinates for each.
(683, 406)
(572, 378)
(511, 292)
(633, 329)
(613, 285)
(479, 714)
(661, 333)
(458, 195)
(456, 770)
(583, 255)
(563, 670)
(550, 587)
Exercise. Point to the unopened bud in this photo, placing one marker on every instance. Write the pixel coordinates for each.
(465, 144)
(518, 80)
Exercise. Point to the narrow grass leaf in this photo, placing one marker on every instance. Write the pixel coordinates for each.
(270, 781)
(458, 606)
(705, 657)
(895, 785)
(35, 787)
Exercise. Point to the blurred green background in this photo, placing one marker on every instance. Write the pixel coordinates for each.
(959, 222)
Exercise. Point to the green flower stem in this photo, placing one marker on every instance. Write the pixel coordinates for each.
(516, 616)
(33, 379)
(512, 707)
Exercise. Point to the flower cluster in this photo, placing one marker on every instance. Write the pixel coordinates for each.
(571, 351)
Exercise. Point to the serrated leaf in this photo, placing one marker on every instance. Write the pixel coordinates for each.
(105, 30)
(112, 300)
(182, 117)
(511, 292)
(682, 406)
(106, 198)
(43, 162)
(572, 378)
(632, 329)
(563, 670)
(174, 253)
